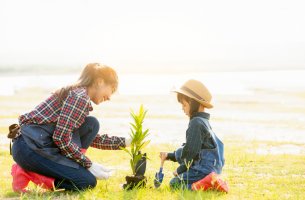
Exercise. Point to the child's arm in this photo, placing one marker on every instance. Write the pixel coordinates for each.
(192, 146)
(171, 157)
(168, 156)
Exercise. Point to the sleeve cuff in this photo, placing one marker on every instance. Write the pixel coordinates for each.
(87, 163)
(127, 141)
(171, 156)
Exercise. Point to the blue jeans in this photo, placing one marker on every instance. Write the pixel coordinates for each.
(186, 179)
(65, 177)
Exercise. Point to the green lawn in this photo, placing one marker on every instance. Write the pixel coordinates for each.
(249, 175)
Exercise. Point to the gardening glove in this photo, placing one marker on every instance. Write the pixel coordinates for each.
(97, 170)
(128, 141)
(105, 169)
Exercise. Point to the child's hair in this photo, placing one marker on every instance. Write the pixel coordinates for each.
(92, 73)
(194, 105)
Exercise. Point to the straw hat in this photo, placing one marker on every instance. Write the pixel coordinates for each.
(197, 91)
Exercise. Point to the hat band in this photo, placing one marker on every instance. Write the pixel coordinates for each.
(192, 93)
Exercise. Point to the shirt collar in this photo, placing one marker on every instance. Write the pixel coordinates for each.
(90, 106)
(201, 114)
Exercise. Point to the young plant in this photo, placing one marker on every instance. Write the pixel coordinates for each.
(138, 138)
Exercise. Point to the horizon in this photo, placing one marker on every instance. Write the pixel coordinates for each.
(68, 69)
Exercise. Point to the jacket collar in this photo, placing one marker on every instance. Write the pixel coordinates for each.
(201, 114)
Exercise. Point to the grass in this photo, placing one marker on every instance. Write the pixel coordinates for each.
(250, 176)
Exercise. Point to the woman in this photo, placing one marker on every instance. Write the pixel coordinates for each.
(55, 135)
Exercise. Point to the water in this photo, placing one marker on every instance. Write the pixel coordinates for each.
(220, 83)
(259, 105)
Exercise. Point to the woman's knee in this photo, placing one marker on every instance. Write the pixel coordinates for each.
(89, 183)
(93, 124)
(92, 121)
(88, 131)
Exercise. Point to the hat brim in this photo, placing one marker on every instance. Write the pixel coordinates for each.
(204, 103)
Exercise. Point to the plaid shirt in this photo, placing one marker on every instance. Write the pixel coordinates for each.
(68, 116)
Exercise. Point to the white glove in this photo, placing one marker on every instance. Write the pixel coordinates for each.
(97, 171)
(105, 169)
(128, 141)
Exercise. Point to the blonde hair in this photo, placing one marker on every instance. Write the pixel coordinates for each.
(90, 75)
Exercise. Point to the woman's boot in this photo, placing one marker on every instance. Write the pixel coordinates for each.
(21, 178)
(42, 181)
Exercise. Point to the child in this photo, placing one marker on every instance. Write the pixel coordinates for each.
(50, 151)
(201, 157)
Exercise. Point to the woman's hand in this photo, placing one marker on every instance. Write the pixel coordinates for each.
(99, 171)
(163, 156)
(128, 141)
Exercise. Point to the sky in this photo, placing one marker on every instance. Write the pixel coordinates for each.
(154, 35)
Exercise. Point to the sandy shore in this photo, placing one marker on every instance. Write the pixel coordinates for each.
(262, 112)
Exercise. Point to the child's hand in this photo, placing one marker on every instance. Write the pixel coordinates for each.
(163, 156)
(175, 173)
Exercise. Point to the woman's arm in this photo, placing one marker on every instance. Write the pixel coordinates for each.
(109, 143)
(73, 114)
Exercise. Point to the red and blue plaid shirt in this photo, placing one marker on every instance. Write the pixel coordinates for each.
(70, 115)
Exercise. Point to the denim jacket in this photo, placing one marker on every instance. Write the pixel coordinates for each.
(203, 150)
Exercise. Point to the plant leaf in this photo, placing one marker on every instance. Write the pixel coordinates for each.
(126, 150)
(138, 136)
